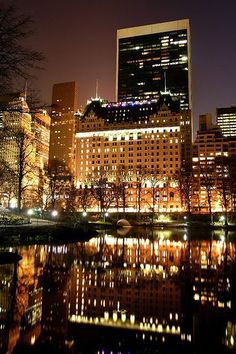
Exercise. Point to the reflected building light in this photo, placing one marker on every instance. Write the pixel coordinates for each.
(132, 319)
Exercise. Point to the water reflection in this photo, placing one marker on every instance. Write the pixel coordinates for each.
(140, 291)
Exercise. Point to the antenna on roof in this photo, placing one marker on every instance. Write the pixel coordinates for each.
(96, 96)
(25, 90)
(165, 80)
(165, 92)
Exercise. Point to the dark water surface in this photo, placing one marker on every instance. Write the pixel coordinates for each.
(125, 291)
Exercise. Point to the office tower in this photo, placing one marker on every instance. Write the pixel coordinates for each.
(18, 152)
(205, 122)
(226, 119)
(64, 105)
(153, 58)
(8, 285)
(16, 117)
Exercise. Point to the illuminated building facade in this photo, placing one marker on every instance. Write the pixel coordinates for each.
(62, 138)
(213, 170)
(151, 57)
(15, 116)
(24, 145)
(142, 144)
(41, 127)
(18, 150)
(226, 119)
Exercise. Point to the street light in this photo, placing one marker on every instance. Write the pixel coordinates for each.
(30, 213)
(222, 218)
(54, 213)
(105, 215)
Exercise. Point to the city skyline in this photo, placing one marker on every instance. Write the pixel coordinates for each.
(81, 45)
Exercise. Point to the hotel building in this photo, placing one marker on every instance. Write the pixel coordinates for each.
(142, 144)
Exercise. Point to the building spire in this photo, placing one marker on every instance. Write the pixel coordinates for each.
(165, 92)
(25, 90)
(96, 95)
(165, 80)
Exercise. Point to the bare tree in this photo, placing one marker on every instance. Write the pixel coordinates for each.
(122, 184)
(103, 191)
(59, 184)
(232, 181)
(7, 185)
(154, 181)
(84, 198)
(140, 179)
(207, 181)
(16, 60)
(185, 180)
(224, 183)
(21, 164)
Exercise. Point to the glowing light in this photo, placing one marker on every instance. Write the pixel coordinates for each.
(30, 212)
(54, 213)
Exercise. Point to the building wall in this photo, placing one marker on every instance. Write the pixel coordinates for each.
(142, 153)
(211, 168)
(226, 119)
(41, 126)
(62, 138)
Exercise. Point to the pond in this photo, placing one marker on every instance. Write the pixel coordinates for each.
(124, 291)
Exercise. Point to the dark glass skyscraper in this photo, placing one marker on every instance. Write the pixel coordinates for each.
(154, 58)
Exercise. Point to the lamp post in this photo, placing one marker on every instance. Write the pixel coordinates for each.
(54, 214)
(30, 213)
(105, 215)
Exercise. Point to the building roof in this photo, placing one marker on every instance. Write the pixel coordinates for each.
(130, 111)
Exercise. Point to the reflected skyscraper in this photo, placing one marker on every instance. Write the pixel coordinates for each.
(8, 283)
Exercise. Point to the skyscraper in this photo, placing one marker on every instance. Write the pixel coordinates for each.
(62, 135)
(152, 58)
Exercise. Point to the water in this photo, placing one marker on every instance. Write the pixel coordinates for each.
(125, 291)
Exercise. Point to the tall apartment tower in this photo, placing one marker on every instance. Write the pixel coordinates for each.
(153, 58)
(62, 135)
(226, 119)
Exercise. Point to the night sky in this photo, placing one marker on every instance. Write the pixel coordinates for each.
(78, 38)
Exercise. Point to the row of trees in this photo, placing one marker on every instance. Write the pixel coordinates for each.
(210, 185)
